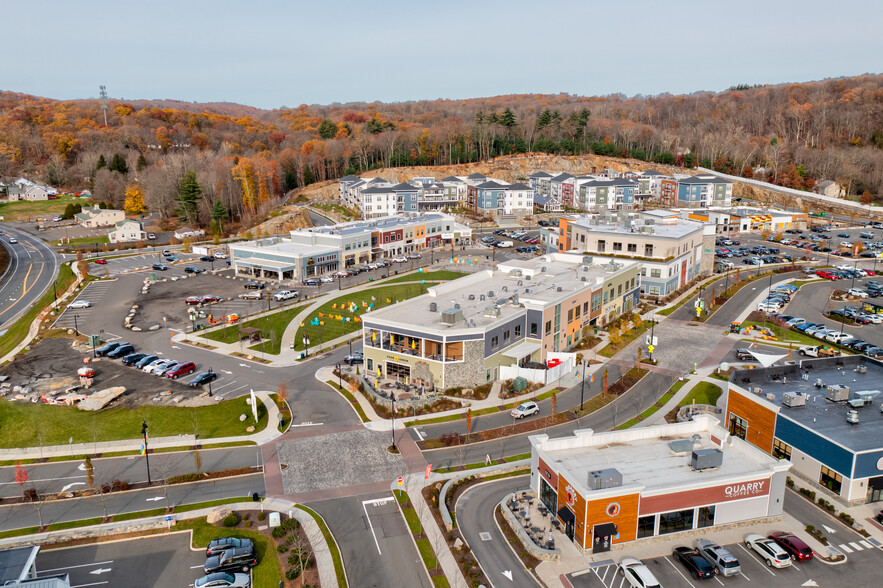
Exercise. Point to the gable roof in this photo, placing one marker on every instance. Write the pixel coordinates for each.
(540, 174)
(451, 179)
(651, 172)
(518, 186)
(404, 187)
(562, 177)
(349, 178)
(491, 185)
(122, 223)
(475, 176)
(703, 179)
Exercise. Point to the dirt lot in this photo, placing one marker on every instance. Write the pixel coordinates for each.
(52, 367)
(166, 300)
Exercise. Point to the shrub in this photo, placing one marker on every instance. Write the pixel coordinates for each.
(290, 524)
(231, 520)
(119, 486)
(283, 547)
(182, 478)
(262, 516)
(279, 532)
(292, 573)
(789, 482)
(847, 517)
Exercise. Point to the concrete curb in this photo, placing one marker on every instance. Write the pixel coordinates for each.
(478, 472)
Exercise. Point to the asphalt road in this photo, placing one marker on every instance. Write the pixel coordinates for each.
(142, 563)
(62, 476)
(375, 543)
(33, 266)
(56, 511)
(475, 517)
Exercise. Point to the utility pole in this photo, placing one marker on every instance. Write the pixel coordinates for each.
(102, 90)
(582, 387)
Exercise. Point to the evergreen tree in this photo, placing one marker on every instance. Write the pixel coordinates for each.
(219, 215)
(507, 119)
(117, 163)
(101, 163)
(142, 163)
(189, 195)
(327, 129)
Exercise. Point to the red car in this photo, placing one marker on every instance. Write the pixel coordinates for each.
(185, 368)
(827, 275)
(796, 548)
(101, 261)
(193, 300)
(210, 298)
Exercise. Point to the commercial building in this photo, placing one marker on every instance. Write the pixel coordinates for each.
(613, 488)
(127, 231)
(323, 250)
(741, 219)
(824, 415)
(673, 251)
(99, 217)
(460, 332)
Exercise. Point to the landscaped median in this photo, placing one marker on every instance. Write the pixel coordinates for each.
(421, 540)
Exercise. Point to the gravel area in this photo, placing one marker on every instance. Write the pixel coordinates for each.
(337, 460)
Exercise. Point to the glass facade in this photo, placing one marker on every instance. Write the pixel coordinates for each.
(674, 522)
(646, 526)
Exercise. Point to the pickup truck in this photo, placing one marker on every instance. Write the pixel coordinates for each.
(818, 351)
(285, 295)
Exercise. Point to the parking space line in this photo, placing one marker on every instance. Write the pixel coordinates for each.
(90, 584)
(756, 557)
(98, 563)
(671, 563)
(744, 576)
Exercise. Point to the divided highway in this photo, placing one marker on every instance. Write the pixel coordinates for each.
(33, 266)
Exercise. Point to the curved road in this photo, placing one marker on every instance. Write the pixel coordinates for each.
(475, 515)
(33, 266)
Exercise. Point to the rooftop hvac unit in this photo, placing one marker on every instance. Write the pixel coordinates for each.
(501, 301)
(457, 306)
(527, 290)
(543, 269)
(492, 311)
(585, 268)
(481, 297)
(771, 397)
(520, 283)
(433, 307)
(852, 417)
(505, 288)
(527, 277)
(606, 478)
(490, 294)
(705, 459)
(793, 399)
(451, 316)
(516, 273)
(560, 289)
(472, 297)
(585, 279)
(758, 390)
(862, 369)
(514, 299)
(837, 393)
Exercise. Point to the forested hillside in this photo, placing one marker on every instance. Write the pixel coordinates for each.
(243, 158)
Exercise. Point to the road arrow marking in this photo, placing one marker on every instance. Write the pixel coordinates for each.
(810, 583)
(175, 347)
(71, 485)
(154, 499)
(100, 571)
(828, 529)
(82, 467)
(508, 574)
(419, 434)
(243, 365)
(228, 373)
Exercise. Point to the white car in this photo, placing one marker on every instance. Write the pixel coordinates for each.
(874, 318)
(79, 304)
(326, 279)
(56, 219)
(220, 256)
(845, 244)
(839, 338)
(251, 295)
(769, 307)
(637, 574)
(525, 409)
(857, 293)
(769, 550)
(13, 240)
(285, 295)
(843, 266)
(155, 364)
(401, 260)
(161, 371)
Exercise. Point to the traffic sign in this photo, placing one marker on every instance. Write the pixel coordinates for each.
(400, 481)
(650, 348)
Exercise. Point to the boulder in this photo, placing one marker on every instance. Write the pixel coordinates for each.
(102, 398)
(154, 328)
(217, 515)
(458, 543)
(249, 430)
(242, 418)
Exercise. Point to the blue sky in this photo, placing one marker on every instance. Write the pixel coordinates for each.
(270, 54)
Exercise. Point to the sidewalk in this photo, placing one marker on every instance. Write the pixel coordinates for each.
(269, 433)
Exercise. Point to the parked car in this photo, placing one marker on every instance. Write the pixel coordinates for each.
(241, 558)
(145, 360)
(192, 270)
(182, 369)
(101, 261)
(167, 368)
(133, 358)
(326, 279)
(724, 561)
(193, 300)
(208, 298)
(121, 351)
(207, 258)
(223, 580)
(79, 304)
(220, 256)
(13, 240)
(253, 286)
(525, 409)
(311, 282)
(400, 259)
(156, 364)
(200, 380)
(107, 348)
(794, 545)
(151, 236)
(254, 295)
(855, 292)
(637, 574)
(795, 321)
(414, 256)
(160, 267)
(284, 295)
(355, 357)
(827, 275)
(172, 259)
(697, 565)
(771, 552)
(745, 355)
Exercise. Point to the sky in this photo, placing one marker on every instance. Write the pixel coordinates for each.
(271, 54)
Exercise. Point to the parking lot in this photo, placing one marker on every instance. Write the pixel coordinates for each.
(154, 561)
(95, 293)
(860, 570)
(145, 261)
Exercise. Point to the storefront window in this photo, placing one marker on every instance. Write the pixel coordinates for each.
(706, 517)
(646, 525)
(738, 426)
(674, 522)
(548, 496)
(781, 450)
(370, 364)
(831, 479)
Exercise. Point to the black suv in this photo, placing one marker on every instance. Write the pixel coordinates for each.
(241, 558)
(744, 355)
(253, 286)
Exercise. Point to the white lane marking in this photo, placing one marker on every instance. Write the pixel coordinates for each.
(90, 584)
(419, 434)
(153, 499)
(71, 485)
(856, 546)
(845, 548)
(671, 563)
(829, 529)
(508, 574)
(196, 567)
(371, 526)
(45, 480)
(98, 563)
(100, 571)
(744, 576)
(757, 557)
(865, 544)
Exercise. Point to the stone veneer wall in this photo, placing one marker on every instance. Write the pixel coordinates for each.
(470, 372)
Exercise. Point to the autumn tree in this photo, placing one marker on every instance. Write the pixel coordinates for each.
(614, 336)
(604, 383)
(866, 198)
(468, 423)
(134, 200)
(189, 196)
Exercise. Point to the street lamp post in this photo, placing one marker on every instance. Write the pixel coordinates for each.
(652, 343)
(582, 387)
(306, 341)
(210, 384)
(339, 377)
(146, 452)
(76, 328)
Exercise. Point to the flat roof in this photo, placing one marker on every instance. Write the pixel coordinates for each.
(15, 563)
(280, 247)
(645, 458)
(823, 416)
(675, 230)
(552, 277)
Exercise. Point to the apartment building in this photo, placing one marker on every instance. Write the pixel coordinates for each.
(704, 191)
(496, 199)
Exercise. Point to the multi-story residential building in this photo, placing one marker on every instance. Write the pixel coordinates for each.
(460, 332)
(99, 217)
(322, 250)
(704, 191)
(650, 184)
(672, 251)
(596, 195)
(127, 231)
(561, 189)
(497, 199)
(437, 196)
(541, 182)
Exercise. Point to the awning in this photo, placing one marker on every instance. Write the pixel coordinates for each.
(767, 359)
(567, 516)
(523, 349)
(266, 263)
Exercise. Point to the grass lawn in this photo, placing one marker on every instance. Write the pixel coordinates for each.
(13, 211)
(332, 545)
(267, 573)
(436, 276)
(799, 283)
(331, 207)
(787, 334)
(30, 425)
(272, 327)
(702, 393)
(19, 329)
(100, 240)
(333, 328)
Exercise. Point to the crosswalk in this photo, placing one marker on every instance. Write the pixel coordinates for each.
(855, 546)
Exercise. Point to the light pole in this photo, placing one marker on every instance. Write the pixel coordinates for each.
(652, 339)
(146, 452)
(582, 387)
(76, 328)
(306, 341)
(339, 377)
(210, 383)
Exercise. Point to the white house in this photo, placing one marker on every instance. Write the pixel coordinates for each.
(188, 233)
(98, 217)
(127, 231)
